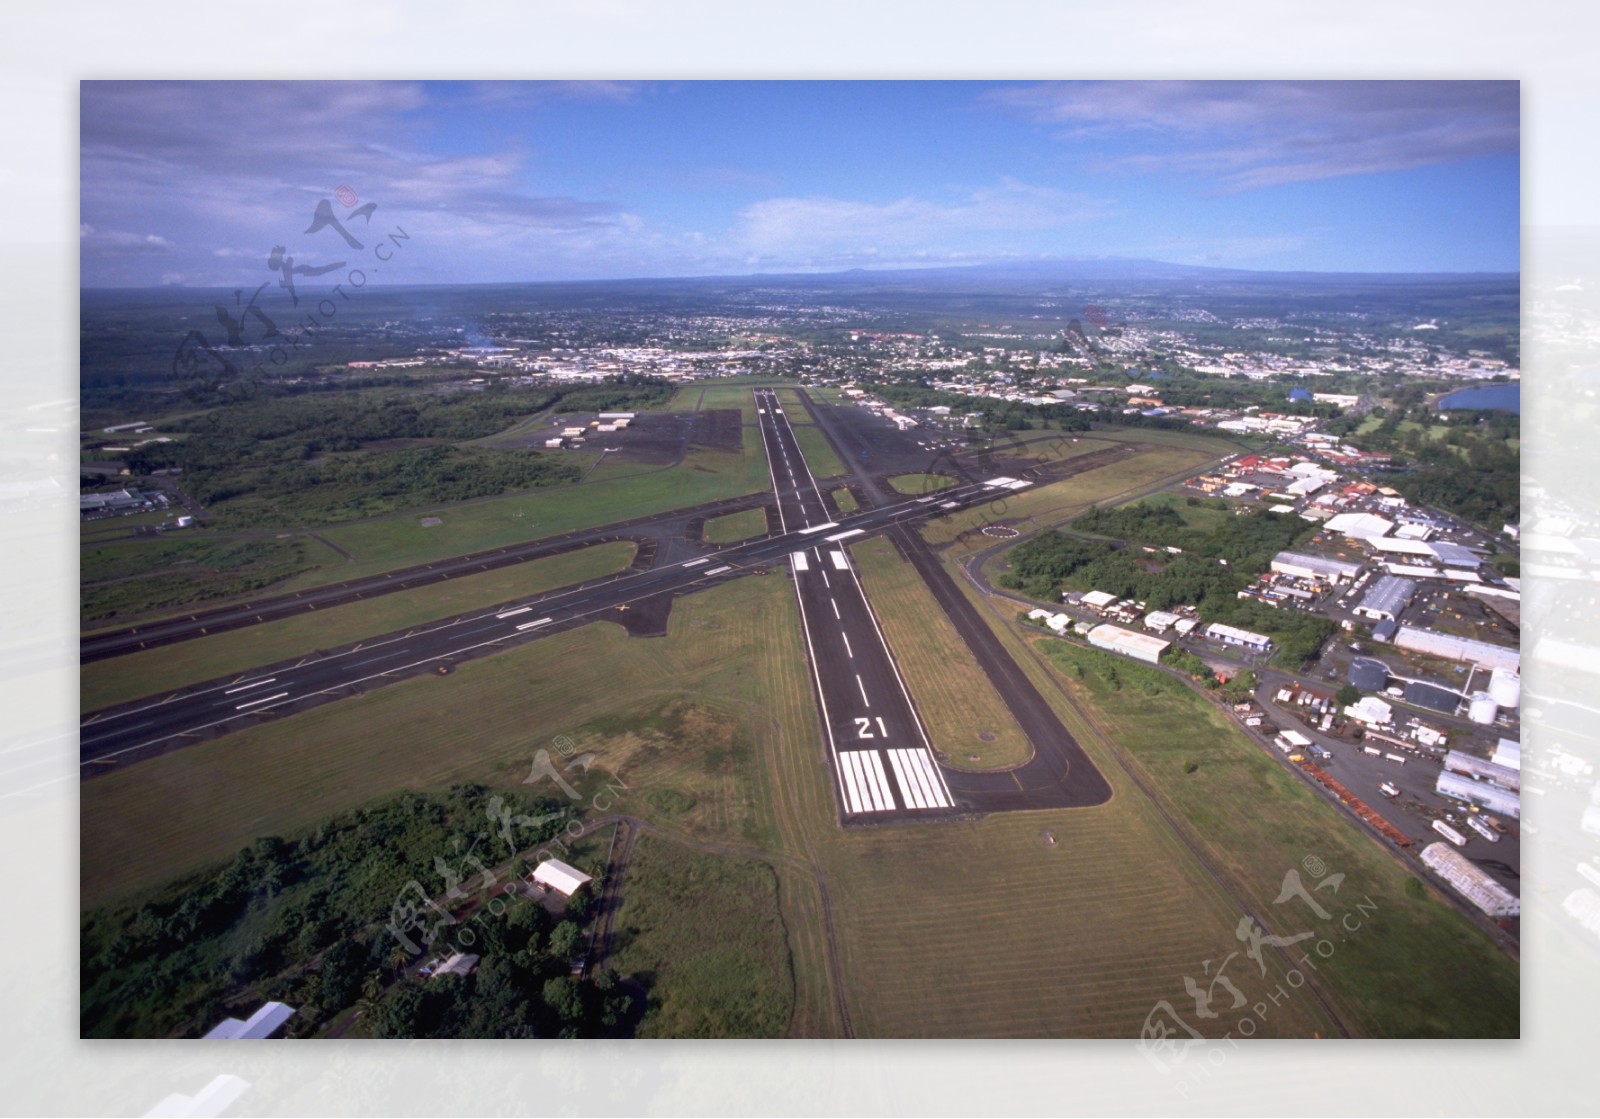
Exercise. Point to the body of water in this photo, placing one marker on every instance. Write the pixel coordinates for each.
(1298, 393)
(1505, 397)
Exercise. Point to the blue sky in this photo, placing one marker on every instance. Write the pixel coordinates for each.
(196, 183)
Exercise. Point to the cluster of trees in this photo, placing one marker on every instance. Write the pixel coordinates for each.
(302, 919)
(1472, 467)
(1248, 543)
(1041, 567)
(285, 460)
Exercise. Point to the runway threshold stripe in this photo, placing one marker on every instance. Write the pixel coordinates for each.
(251, 684)
(924, 763)
(800, 562)
(531, 625)
(873, 764)
(912, 792)
(923, 779)
(698, 562)
(719, 570)
(839, 561)
(514, 613)
(852, 794)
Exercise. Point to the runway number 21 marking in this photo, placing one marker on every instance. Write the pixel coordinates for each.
(864, 727)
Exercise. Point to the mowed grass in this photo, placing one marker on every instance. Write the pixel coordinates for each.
(713, 731)
(1046, 505)
(706, 933)
(1413, 967)
(845, 500)
(734, 527)
(918, 484)
(968, 721)
(383, 544)
(819, 455)
(146, 673)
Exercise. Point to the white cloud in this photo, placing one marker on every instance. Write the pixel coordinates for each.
(1248, 135)
(815, 227)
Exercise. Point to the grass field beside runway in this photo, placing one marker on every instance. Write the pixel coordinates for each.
(734, 527)
(709, 929)
(381, 545)
(153, 671)
(1259, 821)
(700, 726)
(713, 729)
(820, 457)
(957, 702)
(916, 485)
(845, 500)
(1055, 502)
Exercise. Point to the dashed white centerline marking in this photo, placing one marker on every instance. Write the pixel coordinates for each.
(257, 702)
(251, 684)
(863, 688)
(835, 606)
(847, 651)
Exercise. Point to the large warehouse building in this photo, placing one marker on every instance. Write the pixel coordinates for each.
(1490, 797)
(1322, 569)
(1140, 646)
(1468, 765)
(1228, 635)
(1470, 882)
(1457, 648)
(1386, 598)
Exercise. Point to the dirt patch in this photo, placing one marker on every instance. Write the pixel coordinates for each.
(431, 522)
(718, 429)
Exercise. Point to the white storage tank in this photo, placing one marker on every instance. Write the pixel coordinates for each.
(1506, 688)
(1482, 708)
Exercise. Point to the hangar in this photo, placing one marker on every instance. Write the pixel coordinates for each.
(1386, 598)
(1139, 646)
(1323, 569)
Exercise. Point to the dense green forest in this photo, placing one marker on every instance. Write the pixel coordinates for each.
(1051, 561)
(304, 919)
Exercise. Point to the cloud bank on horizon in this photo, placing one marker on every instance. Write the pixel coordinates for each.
(196, 183)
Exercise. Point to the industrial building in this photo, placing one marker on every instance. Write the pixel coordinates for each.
(1504, 776)
(1470, 882)
(461, 963)
(1360, 526)
(1098, 600)
(1371, 711)
(1457, 648)
(1386, 598)
(1160, 620)
(1322, 569)
(558, 876)
(1140, 646)
(1491, 797)
(1228, 635)
(1431, 696)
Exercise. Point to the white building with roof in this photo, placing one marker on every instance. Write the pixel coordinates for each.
(1321, 569)
(262, 1024)
(1360, 526)
(1098, 600)
(558, 876)
(1469, 881)
(1229, 635)
(1140, 646)
(1371, 711)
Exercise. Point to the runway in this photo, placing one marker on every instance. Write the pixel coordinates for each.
(141, 729)
(884, 764)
